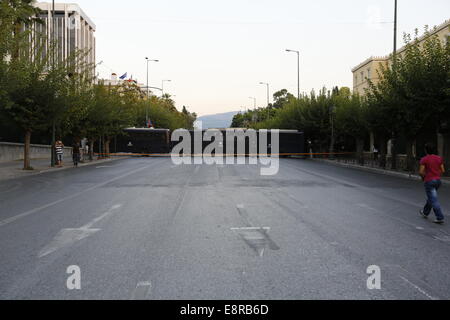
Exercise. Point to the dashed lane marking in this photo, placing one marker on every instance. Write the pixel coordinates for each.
(30, 212)
(67, 237)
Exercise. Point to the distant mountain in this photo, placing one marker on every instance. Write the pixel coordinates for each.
(217, 121)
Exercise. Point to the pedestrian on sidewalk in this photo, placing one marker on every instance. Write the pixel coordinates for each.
(86, 151)
(431, 170)
(76, 153)
(375, 153)
(59, 147)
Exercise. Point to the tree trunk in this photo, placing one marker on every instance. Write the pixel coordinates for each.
(383, 151)
(394, 154)
(410, 161)
(331, 149)
(26, 151)
(91, 149)
(107, 148)
(446, 153)
(360, 150)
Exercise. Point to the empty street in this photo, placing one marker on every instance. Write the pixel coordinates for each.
(144, 228)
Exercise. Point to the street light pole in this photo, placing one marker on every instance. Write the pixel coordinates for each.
(395, 29)
(254, 102)
(298, 71)
(148, 92)
(53, 147)
(394, 66)
(268, 98)
(162, 86)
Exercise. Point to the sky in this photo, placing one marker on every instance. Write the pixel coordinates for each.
(217, 52)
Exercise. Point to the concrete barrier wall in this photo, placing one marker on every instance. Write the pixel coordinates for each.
(14, 151)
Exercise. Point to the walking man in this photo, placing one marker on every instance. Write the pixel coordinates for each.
(76, 153)
(59, 147)
(431, 170)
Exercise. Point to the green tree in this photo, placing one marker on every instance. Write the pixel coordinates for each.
(281, 98)
(413, 95)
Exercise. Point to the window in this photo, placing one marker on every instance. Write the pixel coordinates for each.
(368, 73)
(72, 31)
(362, 76)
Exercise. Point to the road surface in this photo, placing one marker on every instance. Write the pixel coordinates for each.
(144, 228)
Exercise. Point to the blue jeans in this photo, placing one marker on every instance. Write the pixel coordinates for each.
(431, 189)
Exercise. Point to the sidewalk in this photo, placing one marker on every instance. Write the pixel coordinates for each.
(445, 180)
(14, 169)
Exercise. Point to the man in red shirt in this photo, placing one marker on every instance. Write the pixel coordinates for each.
(431, 170)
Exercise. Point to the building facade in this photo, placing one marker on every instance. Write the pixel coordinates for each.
(73, 31)
(371, 67)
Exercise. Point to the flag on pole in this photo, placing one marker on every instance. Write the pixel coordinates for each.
(124, 76)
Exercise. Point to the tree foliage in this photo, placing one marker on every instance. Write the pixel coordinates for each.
(38, 92)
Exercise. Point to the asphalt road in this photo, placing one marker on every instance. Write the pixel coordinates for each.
(144, 228)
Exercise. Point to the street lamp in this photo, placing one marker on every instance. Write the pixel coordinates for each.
(162, 86)
(395, 29)
(394, 67)
(97, 74)
(298, 71)
(148, 93)
(268, 98)
(53, 148)
(254, 102)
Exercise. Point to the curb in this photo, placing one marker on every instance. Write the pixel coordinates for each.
(80, 165)
(94, 162)
(378, 171)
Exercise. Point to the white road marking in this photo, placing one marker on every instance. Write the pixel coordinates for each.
(27, 213)
(251, 228)
(67, 237)
(357, 185)
(442, 238)
(142, 291)
(365, 206)
(257, 238)
(418, 289)
(420, 228)
(99, 167)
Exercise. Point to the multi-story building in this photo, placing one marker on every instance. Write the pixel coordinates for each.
(73, 31)
(370, 68)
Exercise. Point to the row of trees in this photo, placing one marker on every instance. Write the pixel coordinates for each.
(40, 94)
(411, 100)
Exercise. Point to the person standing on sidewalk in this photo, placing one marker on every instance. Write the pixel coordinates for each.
(76, 153)
(59, 147)
(431, 170)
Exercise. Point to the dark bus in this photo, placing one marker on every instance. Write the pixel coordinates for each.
(291, 142)
(144, 141)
